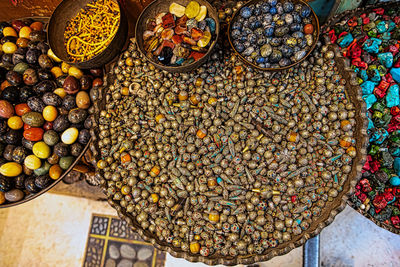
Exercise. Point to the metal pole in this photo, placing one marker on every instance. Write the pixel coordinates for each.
(311, 253)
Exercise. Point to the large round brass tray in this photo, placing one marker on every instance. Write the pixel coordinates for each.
(326, 217)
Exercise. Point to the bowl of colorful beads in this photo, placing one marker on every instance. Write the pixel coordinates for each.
(273, 34)
(177, 35)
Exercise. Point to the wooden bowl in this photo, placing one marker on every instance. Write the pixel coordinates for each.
(65, 11)
(328, 213)
(159, 6)
(315, 23)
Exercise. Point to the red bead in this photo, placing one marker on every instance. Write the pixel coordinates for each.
(379, 201)
(168, 21)
(48, 125)
(293, 199)
(365, 20)
(395, 110)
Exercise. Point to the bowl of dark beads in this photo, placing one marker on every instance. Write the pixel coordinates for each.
(273, 34)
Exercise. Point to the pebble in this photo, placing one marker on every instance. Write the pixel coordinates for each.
(14, 195)
(114, 252)
(125, 263)
(127, 251)
(110, 263)
(144, 253)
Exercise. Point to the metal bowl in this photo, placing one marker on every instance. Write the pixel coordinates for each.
(45, 20)
(159, 6)
(327, 215)
(65, 11)
(315, 23)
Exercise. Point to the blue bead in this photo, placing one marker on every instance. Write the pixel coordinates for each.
(272, 11)
(265, 8)
(386, 59)
(367, 87)
(245, 12)
(269, 31)
(305, 11)
(288, 7)
(236, 26)
(239, 47)
(392, 97)
(272, 2)
(345, 40)
(219, 180)
(396, 166)
(395, 72)
(395, 181)
(369, 100)
(211, 24)
(260, 60)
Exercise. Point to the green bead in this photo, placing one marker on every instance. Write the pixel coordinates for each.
(378, 106)
(374, 149)
(372, 33)
(386, 170)
(377, 115)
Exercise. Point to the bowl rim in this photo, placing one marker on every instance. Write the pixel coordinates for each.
(317, 26)
(89, 61)
(336, 206)
(176, 68)
(46, 20)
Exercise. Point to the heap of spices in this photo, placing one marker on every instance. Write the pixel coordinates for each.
(44, 118)
(181, 36)
(91, 30)
(226, 160)
(371, 41)
(273, 34)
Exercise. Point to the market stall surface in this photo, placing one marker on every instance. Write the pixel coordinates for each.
(52, 231)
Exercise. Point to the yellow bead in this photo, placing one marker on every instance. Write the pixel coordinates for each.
(101, 164)
(50, 113)
(60, 92)
(213, 216)
(41, 150)
(124, 91)
(53, 56)
(177, 10)
(154, 197)
(194, 247)
(9, 48)
(32, 162)
(69, 136)
(183, 95)
(192, 9)
(15, 123)
(212, 101)
(197, 237)
(11, 169)
(65, 67)
(125, 189)
(56, 71)
(74, 71)
(202, 14)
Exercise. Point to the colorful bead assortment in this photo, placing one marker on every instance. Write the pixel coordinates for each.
(371, 41)
(181, 36)
(273, 34)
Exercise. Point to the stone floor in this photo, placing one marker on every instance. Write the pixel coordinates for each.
(52, 230)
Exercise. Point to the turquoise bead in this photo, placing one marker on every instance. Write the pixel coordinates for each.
(395, 181)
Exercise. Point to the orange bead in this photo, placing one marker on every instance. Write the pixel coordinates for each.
(293, 137)
(154, 198)
(37, 26)
(351, 151)
(345, 142)
(195, 99)
(308, 29)
(25, 32)
(124, 91)
(183, 95)
(55, 172)
(154, 171)
(33, 134)
(211, 182)
(201, 133)
(198, 82)
(126, 158)
(4, 85)
(160, 118)
(22, 42)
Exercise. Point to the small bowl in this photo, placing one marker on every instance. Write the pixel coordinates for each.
(315, 23)
(65, 11)
(159, 6)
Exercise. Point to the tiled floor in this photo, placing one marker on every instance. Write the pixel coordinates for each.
(52, 231)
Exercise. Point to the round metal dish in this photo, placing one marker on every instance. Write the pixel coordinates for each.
(315, 23)
(349, 14)
(66, 10)
(45, 20)
(159, 6)
(326, 217)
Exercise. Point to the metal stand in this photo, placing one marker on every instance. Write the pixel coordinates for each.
(311, 253)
